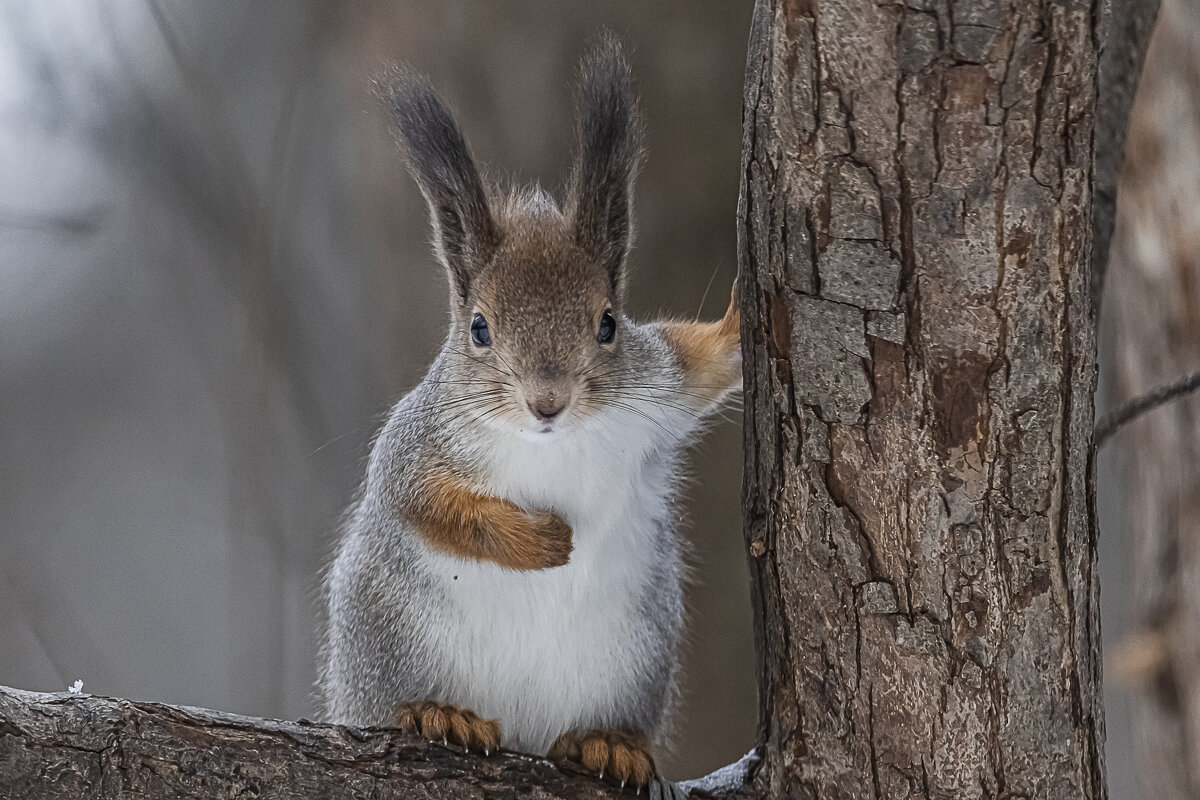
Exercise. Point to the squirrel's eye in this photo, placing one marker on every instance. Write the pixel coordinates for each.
(479, 332)
(608, 328)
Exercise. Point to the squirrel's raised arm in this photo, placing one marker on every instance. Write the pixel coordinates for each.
(465, 233)
(709, 353)
(455, 519)
(609, 153)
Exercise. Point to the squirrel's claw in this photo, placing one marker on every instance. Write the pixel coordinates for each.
(444, 724)
(623, 755)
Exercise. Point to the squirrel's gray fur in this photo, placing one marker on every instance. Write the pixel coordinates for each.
(591, 643)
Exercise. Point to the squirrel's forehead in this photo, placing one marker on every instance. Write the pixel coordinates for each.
(541, 305)
(543, 282)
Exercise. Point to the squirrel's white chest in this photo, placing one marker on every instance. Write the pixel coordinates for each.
(551, 650)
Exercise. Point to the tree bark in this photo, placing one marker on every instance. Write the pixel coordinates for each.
(916, 236)
(1154, 307)
(80, 747)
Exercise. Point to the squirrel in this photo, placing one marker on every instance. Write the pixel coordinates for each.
(510, 574)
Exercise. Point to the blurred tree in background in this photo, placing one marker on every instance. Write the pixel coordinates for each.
(1152, 321)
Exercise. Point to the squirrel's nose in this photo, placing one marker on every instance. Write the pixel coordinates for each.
(547, 409)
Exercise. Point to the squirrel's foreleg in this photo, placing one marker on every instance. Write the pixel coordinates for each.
(709, 354)
(456, 520)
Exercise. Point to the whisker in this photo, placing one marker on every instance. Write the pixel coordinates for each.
(664, 388)
(453, 403)
(634, 410)
(704, 296)
(357, 430)
(455, 349)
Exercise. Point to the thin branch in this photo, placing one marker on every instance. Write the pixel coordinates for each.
(1112, 421)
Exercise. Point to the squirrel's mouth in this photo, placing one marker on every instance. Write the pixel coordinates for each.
(547, 412)
(545, 428)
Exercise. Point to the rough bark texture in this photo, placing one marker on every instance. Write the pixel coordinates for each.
(916, 242)
(80, 747)
(1153, 305)
(77, 747)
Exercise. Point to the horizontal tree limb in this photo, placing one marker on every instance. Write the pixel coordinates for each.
(85, 747)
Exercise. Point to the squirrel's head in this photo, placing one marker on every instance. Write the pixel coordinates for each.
(537, 291)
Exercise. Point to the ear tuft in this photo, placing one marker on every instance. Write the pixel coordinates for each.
(465, 234)
(608, 128)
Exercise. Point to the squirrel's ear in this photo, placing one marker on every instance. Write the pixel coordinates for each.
(465, 234)
(608, 129)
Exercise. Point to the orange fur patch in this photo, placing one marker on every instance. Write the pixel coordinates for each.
(709, 352)
(456, 520)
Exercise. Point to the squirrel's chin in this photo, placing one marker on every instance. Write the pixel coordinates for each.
(542, 431)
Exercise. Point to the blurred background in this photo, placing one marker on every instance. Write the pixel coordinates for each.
(215, 279)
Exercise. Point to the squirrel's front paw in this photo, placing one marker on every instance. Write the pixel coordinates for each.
(621, 755)
(554, 536)
(445, 724)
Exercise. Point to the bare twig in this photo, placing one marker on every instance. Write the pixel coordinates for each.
(1113, 420)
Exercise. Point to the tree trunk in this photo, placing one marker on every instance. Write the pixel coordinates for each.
(916, 236)
(1154, 302)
